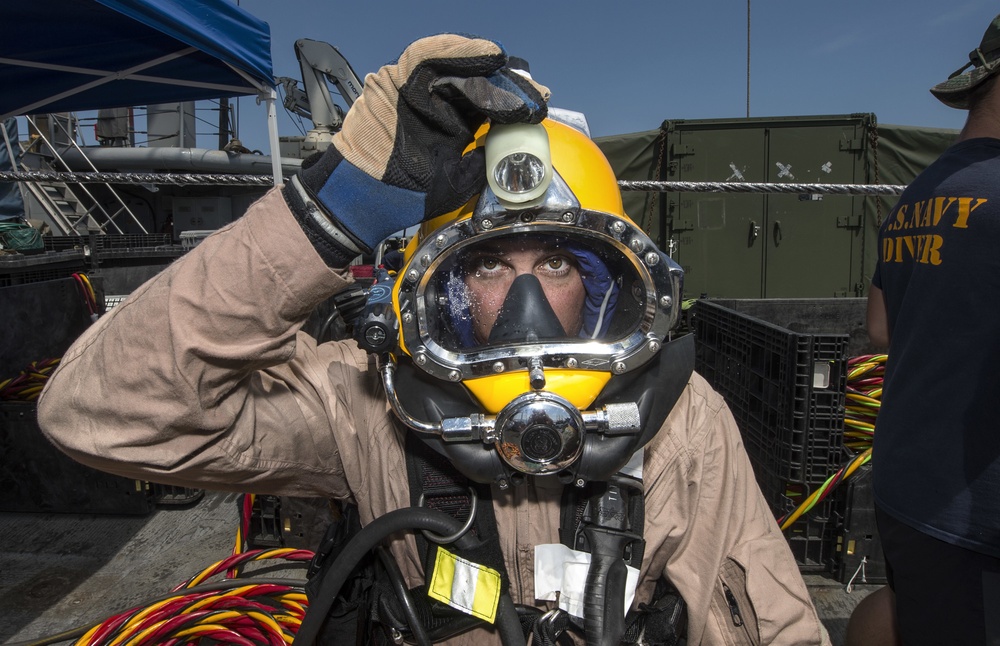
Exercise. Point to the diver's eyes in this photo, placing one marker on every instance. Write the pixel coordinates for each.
(556, 265)
(481, 264)
(544, 263)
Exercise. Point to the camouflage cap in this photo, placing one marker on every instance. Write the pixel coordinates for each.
(984, 61)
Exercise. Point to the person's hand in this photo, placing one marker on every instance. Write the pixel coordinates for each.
(398, 158)
(601, 288)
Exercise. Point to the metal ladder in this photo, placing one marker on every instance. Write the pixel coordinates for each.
(64, 209)
(61, 203)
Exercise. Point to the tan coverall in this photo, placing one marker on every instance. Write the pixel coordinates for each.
(202, 379)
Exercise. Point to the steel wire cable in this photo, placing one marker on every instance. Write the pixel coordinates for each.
(760, 187)
(138, 178)
(268, 180)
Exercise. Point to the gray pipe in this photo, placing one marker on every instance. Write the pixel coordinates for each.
(188, 160)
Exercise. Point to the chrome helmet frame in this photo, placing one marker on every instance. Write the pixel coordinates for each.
(561, 215)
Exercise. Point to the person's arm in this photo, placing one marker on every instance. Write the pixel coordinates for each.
(201, 378)
(877, 318)
(711, 533)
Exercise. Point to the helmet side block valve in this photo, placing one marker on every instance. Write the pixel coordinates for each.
(614, 419)
(468, 429)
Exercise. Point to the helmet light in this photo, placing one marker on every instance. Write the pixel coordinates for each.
(518, 162)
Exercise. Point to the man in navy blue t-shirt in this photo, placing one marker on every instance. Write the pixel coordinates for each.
(935, 302)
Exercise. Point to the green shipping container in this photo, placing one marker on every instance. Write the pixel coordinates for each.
(771, 245)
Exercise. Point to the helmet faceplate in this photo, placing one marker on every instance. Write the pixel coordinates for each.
(433, 307)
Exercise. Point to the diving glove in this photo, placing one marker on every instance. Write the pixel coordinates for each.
(399, 158)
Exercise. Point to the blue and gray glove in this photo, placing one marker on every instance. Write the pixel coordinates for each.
(399, 158)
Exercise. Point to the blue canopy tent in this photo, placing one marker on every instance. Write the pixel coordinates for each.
(68, 55)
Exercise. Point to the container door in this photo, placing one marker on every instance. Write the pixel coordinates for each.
(809, 237)
(717, 237)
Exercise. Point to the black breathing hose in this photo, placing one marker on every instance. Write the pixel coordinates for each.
(410, 518)
(604, 601)
(606, 527)
(403, 593)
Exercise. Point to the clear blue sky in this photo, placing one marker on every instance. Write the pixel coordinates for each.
(630, 65)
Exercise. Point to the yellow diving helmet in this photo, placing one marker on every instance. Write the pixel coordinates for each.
(521, 325)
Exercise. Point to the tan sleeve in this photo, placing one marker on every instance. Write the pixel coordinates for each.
(711, 533)
(200, 378)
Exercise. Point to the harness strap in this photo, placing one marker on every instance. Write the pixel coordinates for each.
(442, 487)
(438, 485)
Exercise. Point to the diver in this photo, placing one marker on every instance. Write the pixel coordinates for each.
(519, 431)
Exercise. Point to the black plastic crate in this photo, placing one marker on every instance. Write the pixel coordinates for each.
(41, 321)
(856, 540)
(153, 255)
(812, 538)
(64, 243)
(126, 262)
(174, 496)
(786, 390)
(781, 365)
(290, 521)
(265, 522)
(122, 274)
(132, 241)
(136, 250)
(123, 261)
(108, 242)
(37, 477)
(17, 269)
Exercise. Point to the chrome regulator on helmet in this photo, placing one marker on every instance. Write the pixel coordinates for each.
(517, 337)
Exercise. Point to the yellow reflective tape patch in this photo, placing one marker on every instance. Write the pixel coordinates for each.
(472, 588)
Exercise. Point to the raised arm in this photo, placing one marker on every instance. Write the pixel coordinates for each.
(201, 376)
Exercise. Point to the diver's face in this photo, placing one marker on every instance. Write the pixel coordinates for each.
(493, 267)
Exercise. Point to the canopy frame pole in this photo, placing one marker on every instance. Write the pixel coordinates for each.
(272, 134)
